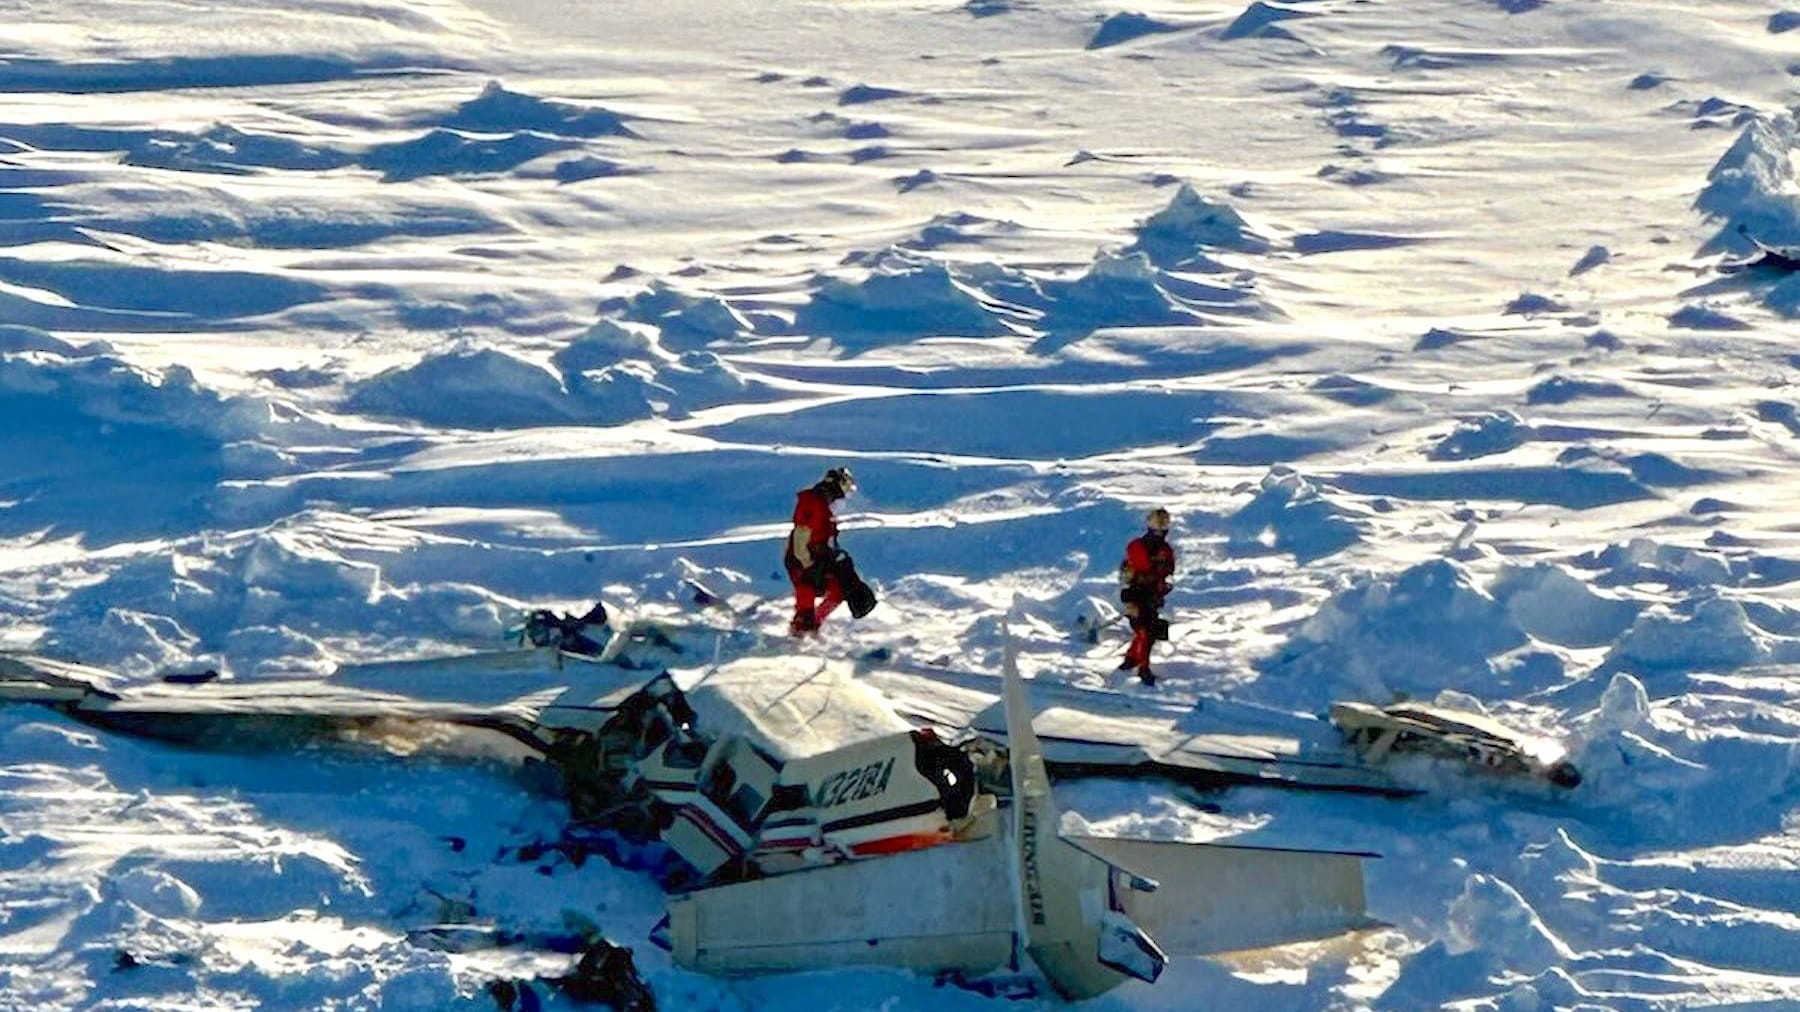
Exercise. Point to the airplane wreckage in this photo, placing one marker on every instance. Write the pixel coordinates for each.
(829, 815)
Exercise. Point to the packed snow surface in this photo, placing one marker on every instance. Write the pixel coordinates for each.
(1458, 335)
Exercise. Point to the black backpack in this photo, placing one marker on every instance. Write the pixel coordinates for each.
(857, 595)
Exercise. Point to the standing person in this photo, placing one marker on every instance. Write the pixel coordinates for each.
(812, 551)
(1143, 584)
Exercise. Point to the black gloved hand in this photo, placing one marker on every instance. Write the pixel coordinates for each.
(818, 572)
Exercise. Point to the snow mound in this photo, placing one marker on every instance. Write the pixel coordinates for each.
(1533, 304)
(1709, 634)
(15, 339)
(686, 320)
(1290, 514)
(1644, 560)
(225, 148)
(1699, 317)
(1594, 257)
(575, 170)
(1177, 235)
(138, 642)
(616, 372)
(107, 389)
(469, 386)
(860, 94)
(608, 343)
(642, 388)
(449, 153)
(1751, 187)
(1552, 604)
(959, 227)
(1263, 21)
(1491, 916)
(902, 297)
(912, 181)
(497, 110)
(1441, 337)
(297, 565)
(1428, 628)
(156, 892)
(175, 210)
(619, 372)
(1712, 762)
(1624, 706)
(1495, 945)
(1125, 26)
(267, 599)
(90, 433)
(1482, 436)
(1563, 389)
(1115, 291)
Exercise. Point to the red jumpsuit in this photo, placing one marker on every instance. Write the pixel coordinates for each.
(812, 511)
(1149, 565)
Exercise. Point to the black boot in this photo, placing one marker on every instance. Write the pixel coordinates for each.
(1146, 676)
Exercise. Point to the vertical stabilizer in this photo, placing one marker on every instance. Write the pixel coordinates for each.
(1066, 896)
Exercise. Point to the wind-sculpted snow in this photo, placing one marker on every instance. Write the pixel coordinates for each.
(103, 448)
(1125, 291)
(1483, 436)
(157, 73)
(271, 600)
(59, 51)
(1180, 234)
(174, 210)
(610, 375)
(1751, 186)
(687, 321)
(497, 110)
(1290, 514)
(220, 148)
(493, 133)
(450, 153)
(148, 291)
(901, 297)
(1125, 26)
(1263, 21)
(469, 386)
(1431, 626)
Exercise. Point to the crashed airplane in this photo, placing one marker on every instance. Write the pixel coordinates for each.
(1377, 732)
(818, 825)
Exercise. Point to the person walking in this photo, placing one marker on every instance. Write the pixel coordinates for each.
(1144, 582)
(812, 551)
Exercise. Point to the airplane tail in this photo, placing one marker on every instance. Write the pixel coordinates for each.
(1070, 912)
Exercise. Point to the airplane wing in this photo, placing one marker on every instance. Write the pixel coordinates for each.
(520, 690)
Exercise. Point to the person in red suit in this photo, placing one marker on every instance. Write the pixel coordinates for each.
(1143, 584)
(812, 551)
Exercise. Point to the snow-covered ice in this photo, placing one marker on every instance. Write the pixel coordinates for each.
(345, 331)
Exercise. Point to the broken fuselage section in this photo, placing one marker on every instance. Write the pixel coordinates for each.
(1377, 732)
(817, 827)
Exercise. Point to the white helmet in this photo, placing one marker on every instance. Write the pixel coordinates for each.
(841, 479)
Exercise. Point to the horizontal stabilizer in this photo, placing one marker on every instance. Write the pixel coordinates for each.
(932, 910)
(1215, 898)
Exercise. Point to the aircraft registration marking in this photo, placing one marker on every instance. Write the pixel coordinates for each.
(853, 785)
